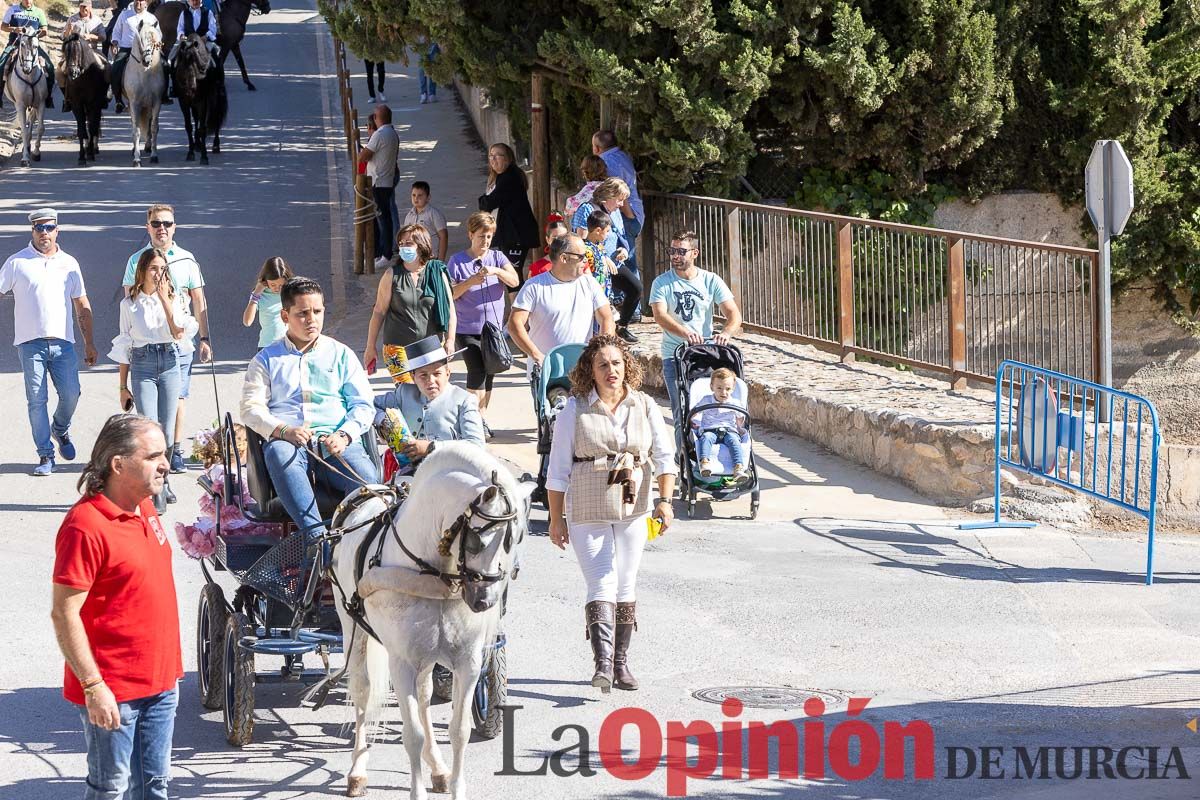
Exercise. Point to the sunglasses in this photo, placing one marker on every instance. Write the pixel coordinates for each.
(678, 251)
(162, 223)
(45, 227)
(577, 256)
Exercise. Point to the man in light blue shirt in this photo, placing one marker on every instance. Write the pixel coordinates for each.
(683, 301)
(309, 393)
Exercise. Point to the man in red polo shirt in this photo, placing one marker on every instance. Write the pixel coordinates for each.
(115, 613)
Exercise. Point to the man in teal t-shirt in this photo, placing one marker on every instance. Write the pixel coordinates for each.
(683, 301)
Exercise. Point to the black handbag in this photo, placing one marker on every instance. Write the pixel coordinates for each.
(497, 357)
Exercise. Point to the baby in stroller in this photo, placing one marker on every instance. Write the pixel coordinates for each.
(722, 425)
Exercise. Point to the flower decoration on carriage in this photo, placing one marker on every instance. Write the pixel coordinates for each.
(199, 539)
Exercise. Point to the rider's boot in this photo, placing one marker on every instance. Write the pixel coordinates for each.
(626, 625)
(600, 616)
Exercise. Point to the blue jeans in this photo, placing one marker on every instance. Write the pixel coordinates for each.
(155, 380)
(56, 358)
(428, 87)
(134, 761)
(290, 469)
(632, 229)
(185, 373)
(669, 375)
(385, 220)
(706, 440)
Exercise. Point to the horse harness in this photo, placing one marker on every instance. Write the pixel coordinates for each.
(369, 552)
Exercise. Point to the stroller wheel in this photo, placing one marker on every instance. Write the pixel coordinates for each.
(754, 503)
(691, 505)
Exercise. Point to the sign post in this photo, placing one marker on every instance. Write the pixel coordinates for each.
(1108, 186)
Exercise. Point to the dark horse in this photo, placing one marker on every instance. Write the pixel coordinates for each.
(85, 85)
(230, 31)
(200, 86)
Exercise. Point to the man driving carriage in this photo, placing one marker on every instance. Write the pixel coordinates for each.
(23, 17)
(308, 396)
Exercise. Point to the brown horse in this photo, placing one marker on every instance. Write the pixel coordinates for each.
(231, 28)
(84, 81)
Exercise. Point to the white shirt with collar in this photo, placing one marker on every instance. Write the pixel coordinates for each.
(562, 451)
(210, 34)
(125, 32)
(144, 321)
(76, 24)
(45, 288)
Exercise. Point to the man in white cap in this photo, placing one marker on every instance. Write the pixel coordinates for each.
(46, 283)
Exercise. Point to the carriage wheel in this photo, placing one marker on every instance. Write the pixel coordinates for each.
(211, 619)
(238, 682)
(490, 694)
(691, 505)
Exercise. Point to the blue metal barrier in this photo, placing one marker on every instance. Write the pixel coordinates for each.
(1042, 415)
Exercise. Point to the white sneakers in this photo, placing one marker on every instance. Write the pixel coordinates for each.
(424, 99)
(382, 262)
(739, 473)
(706, 467)
(371, 100)
(380, 97)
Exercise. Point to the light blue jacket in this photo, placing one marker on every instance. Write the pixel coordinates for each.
(454, 414)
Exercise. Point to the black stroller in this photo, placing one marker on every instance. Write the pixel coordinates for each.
(694, 365)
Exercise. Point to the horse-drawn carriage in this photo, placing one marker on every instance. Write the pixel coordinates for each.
(288, 599)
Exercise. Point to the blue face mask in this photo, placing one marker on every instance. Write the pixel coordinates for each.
(408, 254)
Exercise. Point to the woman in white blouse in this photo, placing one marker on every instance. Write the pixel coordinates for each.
(156, 331)
(609, 441)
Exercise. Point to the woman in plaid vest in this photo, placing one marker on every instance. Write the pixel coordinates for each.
(609, 442)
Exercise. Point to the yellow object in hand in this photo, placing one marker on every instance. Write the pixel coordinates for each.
(653, 528)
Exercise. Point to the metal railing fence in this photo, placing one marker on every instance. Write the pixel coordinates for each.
(945, 301)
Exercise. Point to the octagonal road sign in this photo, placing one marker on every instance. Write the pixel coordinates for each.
(1108, 186)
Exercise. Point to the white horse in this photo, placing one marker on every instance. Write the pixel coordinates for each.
(27, 87)
(464, 518)
(142, 85)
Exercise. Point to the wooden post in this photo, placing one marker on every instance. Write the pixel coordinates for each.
(845, 259)
(648, 248)
(606, 113)
(958, 314)
(733, 227)
(540, 152)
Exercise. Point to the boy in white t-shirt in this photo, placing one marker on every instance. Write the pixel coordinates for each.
(431, 217)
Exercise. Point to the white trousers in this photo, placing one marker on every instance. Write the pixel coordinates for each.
(609, 555)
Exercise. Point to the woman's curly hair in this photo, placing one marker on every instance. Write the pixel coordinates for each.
(582, 380)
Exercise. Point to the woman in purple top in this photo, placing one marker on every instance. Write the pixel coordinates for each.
(476, 275)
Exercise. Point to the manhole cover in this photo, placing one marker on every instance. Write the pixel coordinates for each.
(769, 696)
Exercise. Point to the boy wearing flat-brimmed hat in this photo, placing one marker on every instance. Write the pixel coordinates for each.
(434, 409)
(47, 285)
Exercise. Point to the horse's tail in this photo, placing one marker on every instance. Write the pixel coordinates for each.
(218, 109)
(378, 676)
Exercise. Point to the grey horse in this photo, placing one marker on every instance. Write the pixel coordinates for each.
(27, 87)
(142, 86)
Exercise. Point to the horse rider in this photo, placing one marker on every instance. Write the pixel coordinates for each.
(124, 35)
(90, 28)
(24, 17)
(196, 18)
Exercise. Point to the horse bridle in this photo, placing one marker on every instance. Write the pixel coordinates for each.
(462, 530)
(27, 54)
(142, 48)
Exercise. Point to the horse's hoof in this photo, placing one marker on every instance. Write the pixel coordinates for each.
(153, 159)
(82, 162)
(37, 156)
(250, 86)
(204, 160)
(356, 786)
(24, 162)
(216, 148)
(441, 784)
(191, 156)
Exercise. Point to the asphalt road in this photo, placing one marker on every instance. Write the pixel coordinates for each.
(848, 587)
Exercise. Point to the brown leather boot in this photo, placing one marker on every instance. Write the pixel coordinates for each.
(626, 625)
(600, 616)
